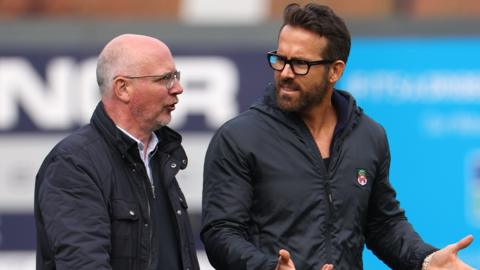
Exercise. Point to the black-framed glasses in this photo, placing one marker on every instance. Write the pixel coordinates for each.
(167, 79)
(298, 66)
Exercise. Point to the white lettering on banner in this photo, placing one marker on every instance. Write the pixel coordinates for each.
(70, 92)
(428, 86)
(46, 104)
(211, 87)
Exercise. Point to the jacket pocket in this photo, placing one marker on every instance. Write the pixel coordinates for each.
(125, 223)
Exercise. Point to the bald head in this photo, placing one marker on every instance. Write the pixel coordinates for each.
(126, 55)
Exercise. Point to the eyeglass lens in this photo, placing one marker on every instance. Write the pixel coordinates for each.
(278, 63)
(170, 79)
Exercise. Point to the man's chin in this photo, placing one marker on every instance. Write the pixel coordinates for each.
(287, 104)
(163, 123)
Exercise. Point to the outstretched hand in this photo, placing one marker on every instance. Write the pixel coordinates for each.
(447, 258)
(285, 262)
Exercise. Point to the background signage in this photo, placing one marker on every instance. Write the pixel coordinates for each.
(425, 92)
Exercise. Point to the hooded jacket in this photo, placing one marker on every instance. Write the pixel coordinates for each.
(95, 206)
(266, 187)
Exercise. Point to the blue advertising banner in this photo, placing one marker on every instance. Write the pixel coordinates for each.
(425, 92)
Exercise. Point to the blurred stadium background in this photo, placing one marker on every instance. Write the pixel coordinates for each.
(414, 67)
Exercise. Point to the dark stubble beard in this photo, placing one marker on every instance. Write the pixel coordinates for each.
(307, 99)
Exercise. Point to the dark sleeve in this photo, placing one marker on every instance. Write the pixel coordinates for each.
(227, 199)
(75, 215)
(389, 234)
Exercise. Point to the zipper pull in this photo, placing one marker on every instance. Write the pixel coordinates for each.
(153, 191)
(330, 197)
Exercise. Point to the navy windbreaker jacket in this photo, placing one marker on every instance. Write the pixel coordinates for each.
(266, 187)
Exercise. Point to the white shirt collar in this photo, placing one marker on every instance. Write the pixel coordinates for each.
(144, 155)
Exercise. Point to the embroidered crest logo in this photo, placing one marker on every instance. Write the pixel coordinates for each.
(362, 177)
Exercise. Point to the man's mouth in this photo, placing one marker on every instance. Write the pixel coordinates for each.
(171, 107)
(284, 88)
(288, 87)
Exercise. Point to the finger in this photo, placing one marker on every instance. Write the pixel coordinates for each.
(284, 256)
(327, 267)
(465, 242)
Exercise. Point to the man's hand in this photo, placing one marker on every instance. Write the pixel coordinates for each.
(285, 262)
(447, 258)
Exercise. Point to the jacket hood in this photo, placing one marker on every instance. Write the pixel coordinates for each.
(347, 110)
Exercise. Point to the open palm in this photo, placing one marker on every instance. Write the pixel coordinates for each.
(447, 258)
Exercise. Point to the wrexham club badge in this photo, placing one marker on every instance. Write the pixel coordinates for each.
(362, 178)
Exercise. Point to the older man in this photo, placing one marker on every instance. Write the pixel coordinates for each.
(106, 196)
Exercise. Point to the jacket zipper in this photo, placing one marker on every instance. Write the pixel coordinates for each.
(328, 194)
(150, 236)
(329, 220)
(332, 164)
(149, 218)
(152, 186)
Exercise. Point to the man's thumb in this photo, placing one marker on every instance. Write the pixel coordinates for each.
(465, 242)
(284, 256)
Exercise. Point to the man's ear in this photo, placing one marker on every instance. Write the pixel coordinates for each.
(121, 89)
(336, 71)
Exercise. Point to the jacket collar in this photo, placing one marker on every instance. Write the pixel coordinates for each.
(170, 141)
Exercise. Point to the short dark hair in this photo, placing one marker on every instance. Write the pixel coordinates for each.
(322, 20)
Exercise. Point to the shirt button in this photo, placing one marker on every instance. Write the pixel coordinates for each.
(180, 198)
(173, 165)
(179, 212)
(131, 213)
(145, 225)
